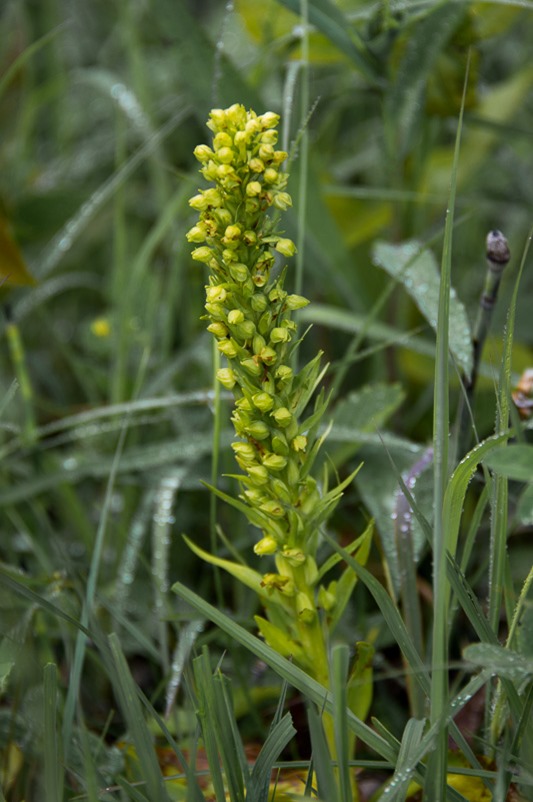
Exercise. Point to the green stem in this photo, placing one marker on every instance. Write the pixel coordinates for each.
(18, 357)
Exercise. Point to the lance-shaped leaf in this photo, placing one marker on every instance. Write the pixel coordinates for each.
(416, 268)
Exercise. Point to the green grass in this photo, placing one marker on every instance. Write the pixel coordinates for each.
(128, 667)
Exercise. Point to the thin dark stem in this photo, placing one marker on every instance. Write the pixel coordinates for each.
(498, 255)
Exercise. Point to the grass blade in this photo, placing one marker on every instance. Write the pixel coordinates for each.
(126, 692)
(53, 779)
(436, 776)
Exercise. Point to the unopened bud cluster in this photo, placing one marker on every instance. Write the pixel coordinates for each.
(249, 314)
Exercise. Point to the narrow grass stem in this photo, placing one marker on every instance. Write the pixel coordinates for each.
(18, 358)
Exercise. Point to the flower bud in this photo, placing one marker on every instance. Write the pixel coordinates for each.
(266, 153)
(229, 256)
(228, 348)
(258, 430)
(253, 189)
(299, 443)
(286, 247)
(284, 373)
(218, 329)
(271, 175)
(263, 401)
(258, 474)
(279, 335)
(269, 119)
(225, 155)
(217, 119)
(274, 462)
(244, 450)
(239, 272)
(198, 202)
(243, 404)
(277, 294)
(258, 302)
(245, 330)
(209, 170)
(202, 254)
(197, 233)
(256, 165)
(232, 235)
(235, 316)
(203, 153)
(267, 355)
(282, 416)
(225, 172)
(252, 206)
(216, 311)
(222, 140)
(273, 508)
(269, 137)
(267, 545)
(293, 302)
(252, 126)
(216, 294)
(254, 496)
(252, 367)
(223, 217)
(227, 378)
(282, 201)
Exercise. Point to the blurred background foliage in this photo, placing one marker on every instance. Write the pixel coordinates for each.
(106, 367)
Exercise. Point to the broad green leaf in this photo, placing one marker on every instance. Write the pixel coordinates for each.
(416, 268)
(378, 485)
(140, 458)
(524, 510)
(366, 410)
(514, 462)
(330, 20)
(501, 661)
(404, 105)
(497, 107)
